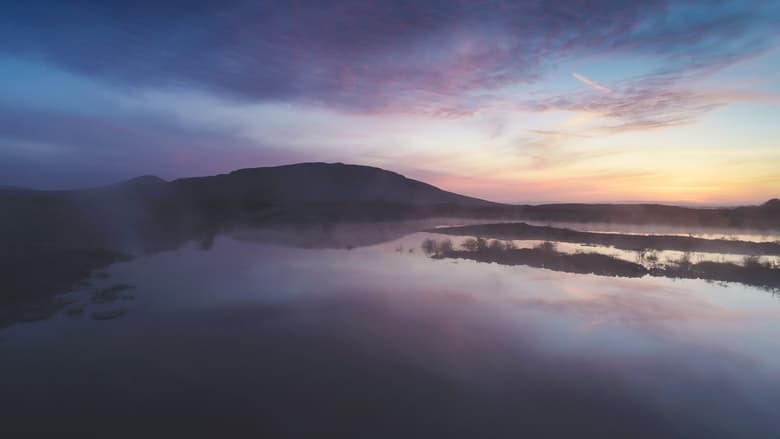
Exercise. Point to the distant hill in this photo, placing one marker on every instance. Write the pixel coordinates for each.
(319, 183)
(772, 205)
(761, 217)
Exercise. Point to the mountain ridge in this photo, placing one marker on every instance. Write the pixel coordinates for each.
(150, 181)
(319, 182)
(314, 191)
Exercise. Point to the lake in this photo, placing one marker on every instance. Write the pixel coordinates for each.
(281, 333)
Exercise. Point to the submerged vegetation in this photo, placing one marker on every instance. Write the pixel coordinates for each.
(45, 308)
(108, 315)
(435, 248)
(111, 294)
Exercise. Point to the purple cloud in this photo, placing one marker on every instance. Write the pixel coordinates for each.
(433, 57)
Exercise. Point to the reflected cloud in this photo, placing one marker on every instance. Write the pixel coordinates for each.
(651, 309)
(339, 338)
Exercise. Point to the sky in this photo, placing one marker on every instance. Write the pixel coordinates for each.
(512, 101)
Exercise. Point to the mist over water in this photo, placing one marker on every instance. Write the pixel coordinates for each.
(353, 330)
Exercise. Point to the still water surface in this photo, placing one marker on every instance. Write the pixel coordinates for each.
(249, 338)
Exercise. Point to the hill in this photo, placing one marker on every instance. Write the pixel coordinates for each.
(319, 183)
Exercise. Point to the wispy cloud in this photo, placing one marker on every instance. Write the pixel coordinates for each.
(649, 102)
(439, 58)
(589, 82)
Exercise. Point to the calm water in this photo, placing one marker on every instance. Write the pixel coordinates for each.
(756, 235)
(261, 337)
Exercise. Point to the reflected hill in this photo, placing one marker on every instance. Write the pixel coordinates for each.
(333, 235)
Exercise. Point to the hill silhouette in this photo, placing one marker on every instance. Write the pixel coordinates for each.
(319, 183)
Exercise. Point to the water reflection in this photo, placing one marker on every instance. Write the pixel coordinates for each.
(752, 263)
(737, 234)
(256, 338)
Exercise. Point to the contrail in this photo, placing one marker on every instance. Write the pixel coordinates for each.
(591, 83)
